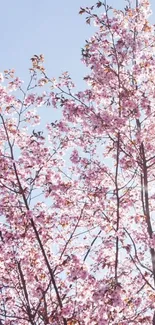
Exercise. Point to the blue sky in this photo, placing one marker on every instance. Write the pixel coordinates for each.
(51, 27)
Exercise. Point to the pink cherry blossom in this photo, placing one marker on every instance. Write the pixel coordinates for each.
(77, 231)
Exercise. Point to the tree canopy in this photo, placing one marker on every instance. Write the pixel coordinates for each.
(77, 199)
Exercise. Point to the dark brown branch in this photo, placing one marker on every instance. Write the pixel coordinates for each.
(136, 254)
(28, 308)
(91, 245)
(118, 204)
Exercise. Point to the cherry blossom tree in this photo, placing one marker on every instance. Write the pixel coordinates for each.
(77, 200)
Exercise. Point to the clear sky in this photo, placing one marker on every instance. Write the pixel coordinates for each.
(51, 27)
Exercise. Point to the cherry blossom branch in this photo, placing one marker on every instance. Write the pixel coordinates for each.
(136, 254)
(72, 234)
(91, 245)
(147, 282)
(32, 222)
(118, 205)
(147, 211)
(28, 308)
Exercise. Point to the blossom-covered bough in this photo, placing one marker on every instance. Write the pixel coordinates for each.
(77, 200)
